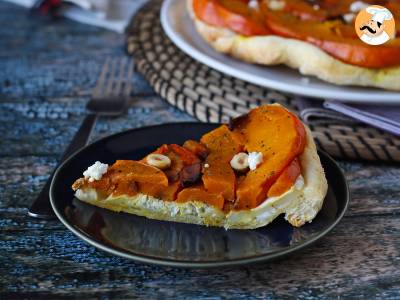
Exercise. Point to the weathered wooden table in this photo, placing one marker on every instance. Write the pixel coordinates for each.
(47, 72)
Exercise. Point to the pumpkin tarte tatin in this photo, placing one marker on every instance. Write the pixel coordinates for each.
(314, 37)
(241, 175)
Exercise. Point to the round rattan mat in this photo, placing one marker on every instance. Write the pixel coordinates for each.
(211, 96)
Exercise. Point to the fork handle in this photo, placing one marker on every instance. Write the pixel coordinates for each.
(41, 207)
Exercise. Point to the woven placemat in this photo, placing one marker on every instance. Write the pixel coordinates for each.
(211, 96)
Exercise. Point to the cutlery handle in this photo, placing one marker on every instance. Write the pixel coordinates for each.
(41, 207)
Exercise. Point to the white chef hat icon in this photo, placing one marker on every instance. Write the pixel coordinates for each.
(379, 14)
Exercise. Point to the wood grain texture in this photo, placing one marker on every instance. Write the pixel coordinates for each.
(47, 73)
(360, 262)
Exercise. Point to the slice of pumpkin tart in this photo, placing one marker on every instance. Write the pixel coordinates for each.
(241, 175)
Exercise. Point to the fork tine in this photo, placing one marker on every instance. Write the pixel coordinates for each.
(115, 79)
(111, 78)
(128, 80)
(121, 74)
(100, 82)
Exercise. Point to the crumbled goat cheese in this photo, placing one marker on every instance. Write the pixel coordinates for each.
(315, 7)
(206, 165)
(276, 5)
(96, 171)
(348, 18)
(357, 6)
(255, 158)
(253, 4)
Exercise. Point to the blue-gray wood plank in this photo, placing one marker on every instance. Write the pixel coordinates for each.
(47, 72)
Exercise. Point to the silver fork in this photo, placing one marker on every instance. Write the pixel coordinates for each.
(110, 98)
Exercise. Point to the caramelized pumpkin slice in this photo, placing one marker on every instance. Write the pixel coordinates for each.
(286, 180)
(200, 194)
(335, 38)
(132, 170)
(125, 187)
(104, 185)
(176, 163)
(304, 10)
(190, 174)
(196, 148)
(219, 177)
(158, 191)
(280, 137)
(233, 14)
(184, 169)
(187, 156)
(180, 158)
(113, 182)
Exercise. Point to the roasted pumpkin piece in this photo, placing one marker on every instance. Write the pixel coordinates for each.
(222, 139)
(187, 156)
(104, 184)
(280, 137)
(197, 148)
(185, 166)
(219, 176)
(394, 7)
(305, 10)
(117, 181)
(317, 10)
(176, 162)
(158, 191)
(286, 180)
(360, 54)
(233, 14)
(181, 161)
(198, 193)
(125, 187)
(335, 38)
(190, 174)
(131, 170)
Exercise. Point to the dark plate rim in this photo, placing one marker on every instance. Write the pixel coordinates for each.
(178, 263)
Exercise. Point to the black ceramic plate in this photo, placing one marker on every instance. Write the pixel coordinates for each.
(176, 244)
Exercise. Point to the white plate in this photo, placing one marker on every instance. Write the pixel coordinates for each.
(181, 30)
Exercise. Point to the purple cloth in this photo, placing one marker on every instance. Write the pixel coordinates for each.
(385, 117)
(314, 113)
